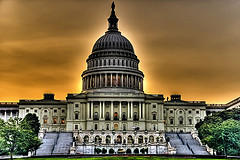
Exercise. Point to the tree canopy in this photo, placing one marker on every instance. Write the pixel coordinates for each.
(221, 131)
(17, 138)
(33, 122)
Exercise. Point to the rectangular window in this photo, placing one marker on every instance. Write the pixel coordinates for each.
(154, 116)
(171, 121)
(189, 112)
(96, 126)
(197, 112)
(76, 126)
(55, 111)
(35, 111)
(54, 120)
(63, 121)
(190, 121)
(171, 111)
(154, 106)
(63, 111)
(76, 105)
(27, 110)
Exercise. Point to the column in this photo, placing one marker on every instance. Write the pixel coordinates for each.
(122, 80)
(88, 110)
(90, 86)
(87, 83)
(147, 111)
(95, 81)
(100, 105)
(80, 111)
(143, 110)
(103, 110)
(100, 80)
(5, 116)
(111, 80)
(135, 82)
(127, 80)
(111, 110)
(120, 110)
(116, 80)
(92, 110)
(131, 110)
(140, 110)
(128, 111)
(105, 79)
(161, 111)
(10, 113)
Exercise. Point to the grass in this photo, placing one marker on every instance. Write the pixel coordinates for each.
(120, 158)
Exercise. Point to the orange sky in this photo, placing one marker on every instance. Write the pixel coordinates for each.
(187, 47)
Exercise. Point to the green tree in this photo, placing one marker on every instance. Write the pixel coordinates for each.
(221, 131)
(33, 122)
(227, 137)
(15, 138)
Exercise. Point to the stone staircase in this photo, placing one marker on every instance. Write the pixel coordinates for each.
(55, 144)
(185, 144)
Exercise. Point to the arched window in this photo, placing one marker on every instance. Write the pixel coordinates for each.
(151, 139)
(108, 139)
(86, 139)
(97, 139)
(130, 140)
(140, 139)
(119, 139)
(44, 120)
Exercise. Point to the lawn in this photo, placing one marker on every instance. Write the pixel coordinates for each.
(120, 158)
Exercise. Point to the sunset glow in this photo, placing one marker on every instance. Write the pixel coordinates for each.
(185, 47)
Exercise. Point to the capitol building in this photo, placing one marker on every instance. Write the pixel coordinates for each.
(112, 111)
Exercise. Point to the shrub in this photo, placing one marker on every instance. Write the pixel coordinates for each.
(128, 151)
(98, 150)
(104, 151)
(146, 150)
(136, 151)
(142, 150)
(111, 151)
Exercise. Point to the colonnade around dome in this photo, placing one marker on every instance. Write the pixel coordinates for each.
(118, 80)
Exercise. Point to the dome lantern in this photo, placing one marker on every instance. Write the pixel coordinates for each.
(113, 20)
